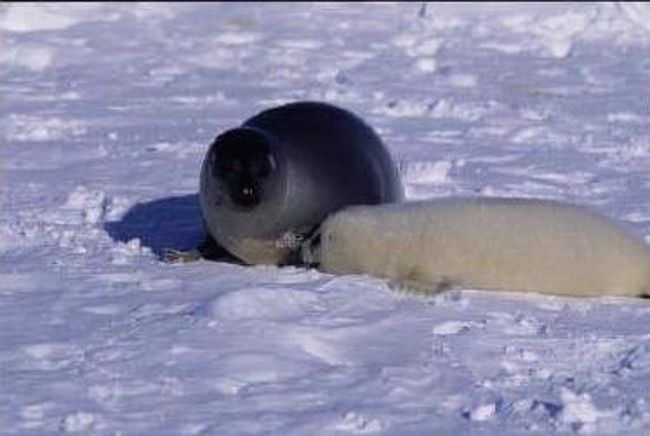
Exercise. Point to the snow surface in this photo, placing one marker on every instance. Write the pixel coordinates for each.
(107, 111)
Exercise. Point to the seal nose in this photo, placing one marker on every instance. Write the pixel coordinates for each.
(244, 192)
(243, 162)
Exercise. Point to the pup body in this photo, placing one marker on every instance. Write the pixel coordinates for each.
(488, 243)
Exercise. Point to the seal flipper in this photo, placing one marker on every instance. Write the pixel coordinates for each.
(308, 255)
(171, 255)
(208, 249)
(413, 283)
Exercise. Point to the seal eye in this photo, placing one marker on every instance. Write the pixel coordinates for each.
(243, 162)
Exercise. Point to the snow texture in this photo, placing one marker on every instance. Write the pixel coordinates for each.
(107, 111)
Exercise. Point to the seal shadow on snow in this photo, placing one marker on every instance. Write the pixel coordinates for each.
(172, 222)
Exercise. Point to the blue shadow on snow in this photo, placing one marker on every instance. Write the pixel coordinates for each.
(172, 222)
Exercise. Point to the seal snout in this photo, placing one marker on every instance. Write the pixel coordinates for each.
(243, 161)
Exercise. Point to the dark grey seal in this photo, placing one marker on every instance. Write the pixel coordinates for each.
(268, 184)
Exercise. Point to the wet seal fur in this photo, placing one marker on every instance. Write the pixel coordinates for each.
(486, 243)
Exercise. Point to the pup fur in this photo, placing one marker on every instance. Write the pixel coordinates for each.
(488, 243)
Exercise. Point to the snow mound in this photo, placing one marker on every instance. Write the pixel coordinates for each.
(426, 172)
(19, 127)
(93, 205)
(35, 58)
(30, 17)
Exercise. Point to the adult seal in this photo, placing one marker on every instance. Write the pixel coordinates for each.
(266, 185)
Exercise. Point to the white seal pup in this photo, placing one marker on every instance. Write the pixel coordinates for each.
(487, 243)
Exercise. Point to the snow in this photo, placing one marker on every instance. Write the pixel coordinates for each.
(107, 111)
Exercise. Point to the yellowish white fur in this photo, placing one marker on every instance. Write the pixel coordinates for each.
(488, 243)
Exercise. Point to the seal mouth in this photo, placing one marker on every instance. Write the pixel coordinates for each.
(243, 162)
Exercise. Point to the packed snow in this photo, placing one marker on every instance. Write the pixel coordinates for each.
(107, 111)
